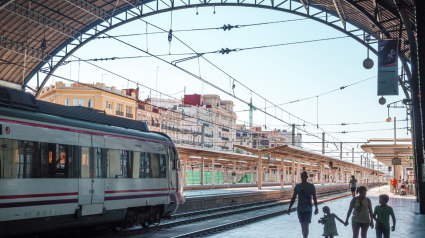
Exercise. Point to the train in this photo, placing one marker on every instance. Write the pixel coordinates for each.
(63, 167)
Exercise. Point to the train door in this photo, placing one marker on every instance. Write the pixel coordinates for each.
(173, 172)
(85, 189)
(91, 182)
(98, 165)
(98, 168)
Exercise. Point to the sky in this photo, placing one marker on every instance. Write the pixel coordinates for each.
(279, 74)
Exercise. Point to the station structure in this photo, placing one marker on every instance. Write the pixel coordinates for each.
(290, 160)
(38, 37)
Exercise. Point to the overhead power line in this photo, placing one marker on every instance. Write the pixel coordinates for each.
(225, 27)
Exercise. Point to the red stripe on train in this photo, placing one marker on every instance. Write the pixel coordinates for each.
(140, 190)
(38, 195)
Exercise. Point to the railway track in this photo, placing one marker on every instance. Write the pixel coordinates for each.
(271, 207)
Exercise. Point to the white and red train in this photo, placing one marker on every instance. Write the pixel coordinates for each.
(64, 167)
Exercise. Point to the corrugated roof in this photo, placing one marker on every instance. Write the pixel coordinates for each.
(17, 30)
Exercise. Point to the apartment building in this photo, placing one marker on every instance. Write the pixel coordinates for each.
(98, 96)
(257, 138)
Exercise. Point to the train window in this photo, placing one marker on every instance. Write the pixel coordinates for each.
(114, 170)
(136, 164)
(172, 159)
(97, 163)
(144, 165)
(85, 162)
(124, 163)
(154, 165)
(163, 166)
(9, 158)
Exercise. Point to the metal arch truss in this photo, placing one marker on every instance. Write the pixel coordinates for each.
(138, 9)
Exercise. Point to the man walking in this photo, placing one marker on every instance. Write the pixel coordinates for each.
(394, 184)
(305, 191)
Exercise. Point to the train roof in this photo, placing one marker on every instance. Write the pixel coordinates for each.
(28, 105)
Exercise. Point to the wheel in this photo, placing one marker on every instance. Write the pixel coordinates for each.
(115, 227)
(145, 224)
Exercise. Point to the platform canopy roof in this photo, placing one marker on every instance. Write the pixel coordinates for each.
(38, 35)
(384, 153)
(280, 152)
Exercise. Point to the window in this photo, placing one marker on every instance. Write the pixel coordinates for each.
(98, 163)
(172, 159)
(125, 164)
(85, 162)
(114, 170)
(75, 102)
(28, 159)
(128, 111)
(144, 165)
(138, 118)
(81, 102)
(119, 110)
(66, 101)
(90, 105)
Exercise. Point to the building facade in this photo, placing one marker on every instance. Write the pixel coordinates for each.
(109, 99)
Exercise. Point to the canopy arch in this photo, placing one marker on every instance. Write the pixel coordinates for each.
(40, 35)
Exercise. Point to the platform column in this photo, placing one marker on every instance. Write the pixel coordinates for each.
(260, 171)
(299, 171)
(252, 173)
(322, 177)
(293, 172)
(234, 172)
(185, 170)
(212, 170)
(282, 172)
(202, 170)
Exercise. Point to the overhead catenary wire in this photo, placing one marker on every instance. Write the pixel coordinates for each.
(219, 88)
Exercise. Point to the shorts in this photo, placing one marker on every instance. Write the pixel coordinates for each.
(305, 216)
(353, 189)
(362, 225)
(394, 187)
(382, 232)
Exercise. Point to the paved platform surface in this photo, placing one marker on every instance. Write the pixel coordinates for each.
(236, 190)
(409, 223)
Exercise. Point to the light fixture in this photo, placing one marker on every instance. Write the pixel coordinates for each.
(388, 119)
(368, 63)
(382, 100)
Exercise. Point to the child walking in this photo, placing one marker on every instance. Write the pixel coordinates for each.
(382, 215)
(328, 220)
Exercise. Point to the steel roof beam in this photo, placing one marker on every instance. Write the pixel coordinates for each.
(340, 11)
(42, 20)
(91, 9)
(23, 50)
(305, 4)
(6, 4)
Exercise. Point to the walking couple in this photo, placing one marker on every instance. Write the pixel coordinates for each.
(360, 206)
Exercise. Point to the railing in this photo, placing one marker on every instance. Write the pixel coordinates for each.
(120, 113)
(206, 135)
(207, 145)
(225, 129)
(225, 138)
(129, 115)
(224, 147)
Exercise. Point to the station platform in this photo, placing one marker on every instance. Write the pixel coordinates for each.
(408, 222)
(213, 198)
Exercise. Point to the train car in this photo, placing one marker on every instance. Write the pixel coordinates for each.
(64, 167)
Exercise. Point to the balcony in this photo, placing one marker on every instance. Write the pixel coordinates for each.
(225, 129)
(119, 113)
(224, 147)
(225, 138)
(207, 145)
(206, 135)
(129, 115)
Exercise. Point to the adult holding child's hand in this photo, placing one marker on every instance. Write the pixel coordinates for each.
(361, 207)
